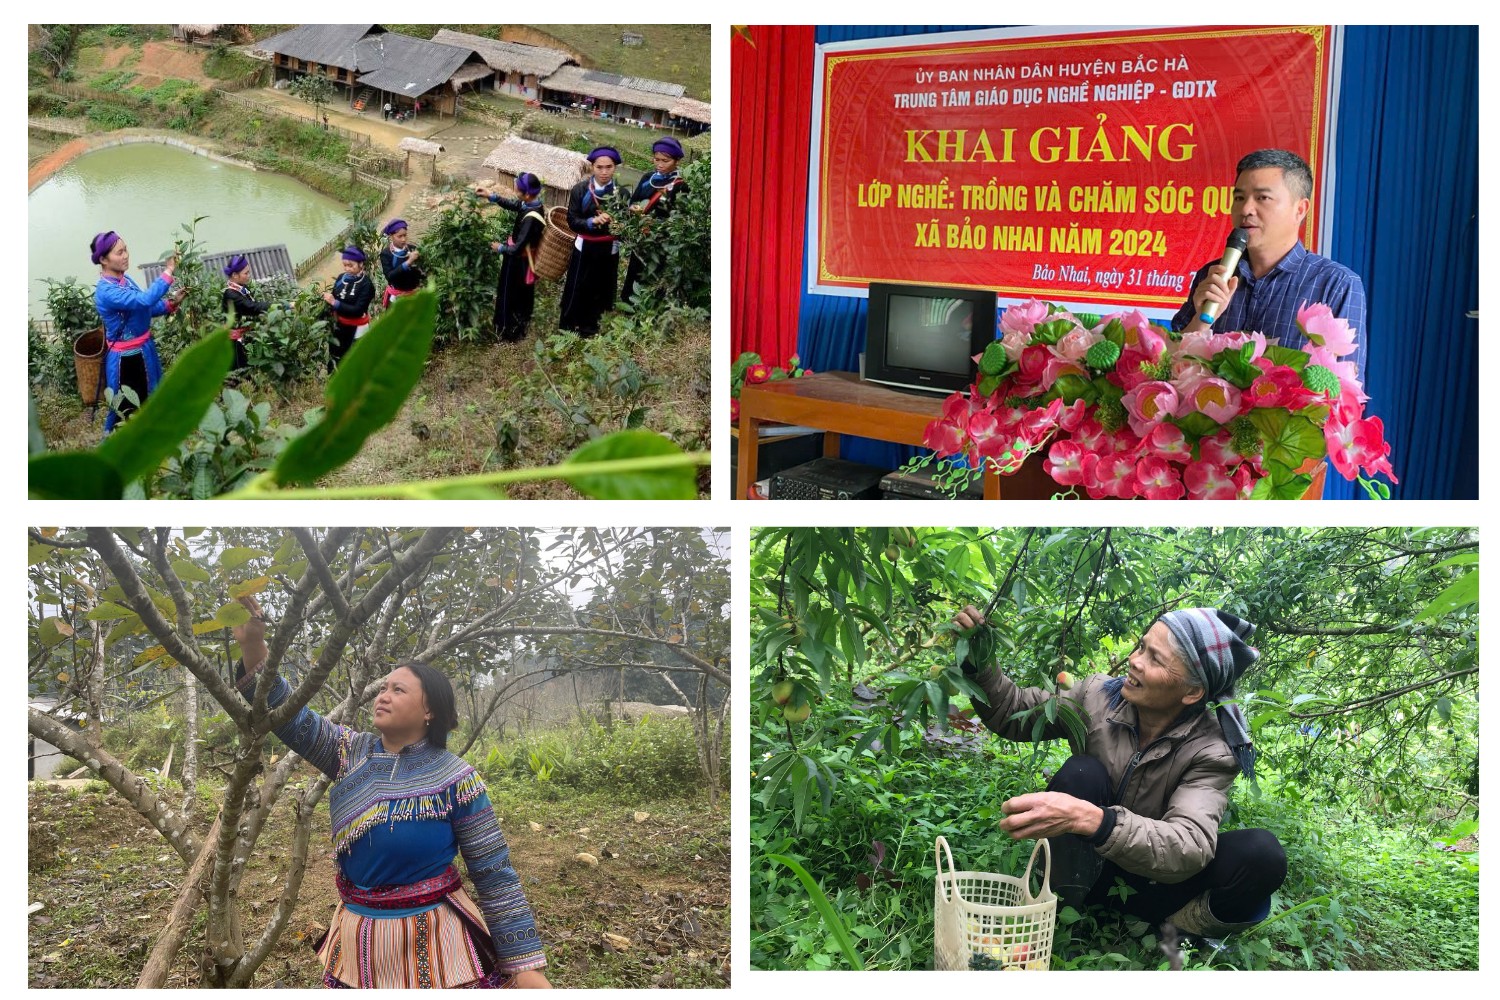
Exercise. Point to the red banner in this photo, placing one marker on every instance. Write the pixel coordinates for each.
(1090, 168)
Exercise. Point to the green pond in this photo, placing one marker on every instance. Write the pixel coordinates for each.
(146, 192)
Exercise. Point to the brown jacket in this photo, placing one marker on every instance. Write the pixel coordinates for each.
(1167, 798)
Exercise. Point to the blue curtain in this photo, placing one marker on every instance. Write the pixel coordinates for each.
(1404, 213)
(1407, 222)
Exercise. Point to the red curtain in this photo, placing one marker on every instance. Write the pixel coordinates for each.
(771, 119)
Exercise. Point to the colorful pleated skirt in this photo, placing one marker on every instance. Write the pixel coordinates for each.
(444, 947)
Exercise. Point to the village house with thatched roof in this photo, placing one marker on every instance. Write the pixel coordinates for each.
(518, 67)
(375, 66)
(559, 169)
(691, 116)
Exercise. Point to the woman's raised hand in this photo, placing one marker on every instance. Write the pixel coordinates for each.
(251, 635)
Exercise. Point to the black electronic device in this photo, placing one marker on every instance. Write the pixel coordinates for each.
(925, 337)
(827, 479)
(920, 485)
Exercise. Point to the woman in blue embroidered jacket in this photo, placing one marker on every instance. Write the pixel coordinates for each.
(401, 807)
(126, 312)
(515, 295)
(655, 195)
(594, 268)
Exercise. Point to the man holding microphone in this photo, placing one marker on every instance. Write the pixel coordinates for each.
(1276, 274)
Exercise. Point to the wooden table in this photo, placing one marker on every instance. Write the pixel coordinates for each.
(838, 403)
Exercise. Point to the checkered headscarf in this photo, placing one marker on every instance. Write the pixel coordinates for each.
(1217, 654)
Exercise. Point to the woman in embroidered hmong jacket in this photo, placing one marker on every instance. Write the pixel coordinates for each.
(656, 194)
(515, 295)
(401, 806)
(126, 312)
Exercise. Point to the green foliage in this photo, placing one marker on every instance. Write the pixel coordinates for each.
(654, 758)
(231, 446)
(1363, 710)
(49, 359)
(315, 89)
(111, 116)
(463, 270)
(224, 63)
(70, 305)
(289, 341)
(677, 248)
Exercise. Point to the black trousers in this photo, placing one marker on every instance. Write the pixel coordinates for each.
(1247, 867)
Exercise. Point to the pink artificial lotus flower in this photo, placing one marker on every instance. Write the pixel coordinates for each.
(1065, 463)
(1158, 479)
(734, 411)
(1167, 441)
(756, 374)
(1140, 336)
(1033, 361)
(1148, 404)
(1057, 367)
(1319, 325)
(1023, 317)
(1212, 397)
(1074, 344)
(1014, 342)
(1347, 371)
(1280, 386)
(1207, 481)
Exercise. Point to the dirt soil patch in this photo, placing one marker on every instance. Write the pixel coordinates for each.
(653, 911)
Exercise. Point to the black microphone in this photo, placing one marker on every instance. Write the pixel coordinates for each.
(1234, 248)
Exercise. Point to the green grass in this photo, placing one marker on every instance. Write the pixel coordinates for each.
(1386, 897)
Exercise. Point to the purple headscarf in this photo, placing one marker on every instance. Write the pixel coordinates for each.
(236, 263)
(609, 151)
(667, 144)
(394, 226)
(353, 253)
(529, 184)
(102, 244)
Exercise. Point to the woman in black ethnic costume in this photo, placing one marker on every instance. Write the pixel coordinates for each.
(240, 306)
(594, 270)
(349, 301)
(655, 195)
(398, 262)
(516, 293)
(402, 808)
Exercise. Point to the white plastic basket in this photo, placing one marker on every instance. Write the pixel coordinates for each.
(992, 921)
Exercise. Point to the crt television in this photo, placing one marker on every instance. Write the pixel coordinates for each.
(924, 337)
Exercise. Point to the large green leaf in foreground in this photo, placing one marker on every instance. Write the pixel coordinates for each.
(367, 390)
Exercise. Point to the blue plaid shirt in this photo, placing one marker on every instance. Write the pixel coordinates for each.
(1269, 304)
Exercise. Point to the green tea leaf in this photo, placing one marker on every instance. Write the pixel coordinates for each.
(72, 475)
(367, 390)
(233, 559)
(233, 613)
(678, 482)
(172, 412)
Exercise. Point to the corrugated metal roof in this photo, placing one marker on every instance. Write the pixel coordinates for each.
(402, 64)
(265, 262)
(557, 167)
(328, 44)
(511, 57)
(610, 87)
(697, 111)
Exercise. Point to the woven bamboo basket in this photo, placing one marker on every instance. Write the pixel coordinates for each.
(557, 245)
(88, 363)
(987, 921)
